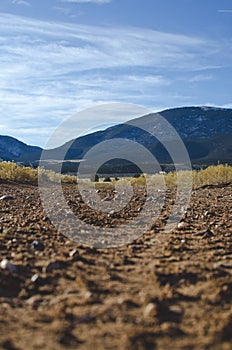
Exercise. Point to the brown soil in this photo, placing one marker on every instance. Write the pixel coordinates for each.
(163, 291)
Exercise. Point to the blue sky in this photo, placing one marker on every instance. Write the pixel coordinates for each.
(58, 57)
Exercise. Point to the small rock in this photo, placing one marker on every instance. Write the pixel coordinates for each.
(36, 279)
(177, 309)
(88, 294)
(6, 198)
(150, 310)
(73, 253)
(121, 300)
(218, 265)
(150, 199)
(7, 265)
(106, 199)
(182, 225)
(37, 245)
(34, 301)
(55, 265)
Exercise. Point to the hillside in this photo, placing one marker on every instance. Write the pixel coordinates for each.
(206, 132)
(12, 149)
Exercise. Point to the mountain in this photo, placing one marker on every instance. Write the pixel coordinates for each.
(205, 131)
(12, 149)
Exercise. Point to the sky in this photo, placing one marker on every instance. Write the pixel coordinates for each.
(59, 57)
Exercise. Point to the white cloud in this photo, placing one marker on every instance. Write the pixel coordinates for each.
(66, 11)
(21, 2)
(92, 47)
(227, 105)
(49, 71)
(200, 77)
(100, 2)
(225, 11)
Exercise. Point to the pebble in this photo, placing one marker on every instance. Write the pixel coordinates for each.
(6, 198)
(177, 309)
(182, 225)
(150, 310)
(73, 253)
(35, 300)
(107, 199)
(7, 265)
(88, 294)
(218, 265)
(55, 265)
(38, 245)
(36, 279)
(121, 300)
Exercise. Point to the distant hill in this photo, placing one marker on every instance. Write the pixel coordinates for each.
(12, 149)
(206, 132)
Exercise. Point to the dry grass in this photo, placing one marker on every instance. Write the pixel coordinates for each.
(14, 172)
(213, 175)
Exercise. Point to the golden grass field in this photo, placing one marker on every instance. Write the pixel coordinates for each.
(213, 175)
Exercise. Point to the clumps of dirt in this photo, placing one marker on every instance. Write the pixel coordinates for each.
(162, 290)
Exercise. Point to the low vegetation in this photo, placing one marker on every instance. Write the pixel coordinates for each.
(213, 175)
(15, 172)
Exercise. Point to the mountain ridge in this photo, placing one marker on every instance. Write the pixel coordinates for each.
(12, 149)
(205, 131)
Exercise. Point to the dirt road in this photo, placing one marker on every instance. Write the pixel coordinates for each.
(163, 291)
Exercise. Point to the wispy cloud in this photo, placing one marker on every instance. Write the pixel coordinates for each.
(99, 2)
(212, 104)
(228, 105)
(225, 11)
(66, 11)
(51, 70)
(20, 2)
(92, 47)
(200, 77)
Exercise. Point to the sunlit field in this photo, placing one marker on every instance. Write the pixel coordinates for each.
(213, 175)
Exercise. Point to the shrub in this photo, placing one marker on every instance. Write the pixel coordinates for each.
(94, 178)
(107, 179)
(213, 175)
(15, 172)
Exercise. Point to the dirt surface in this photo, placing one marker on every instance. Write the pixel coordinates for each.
(162, 291)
